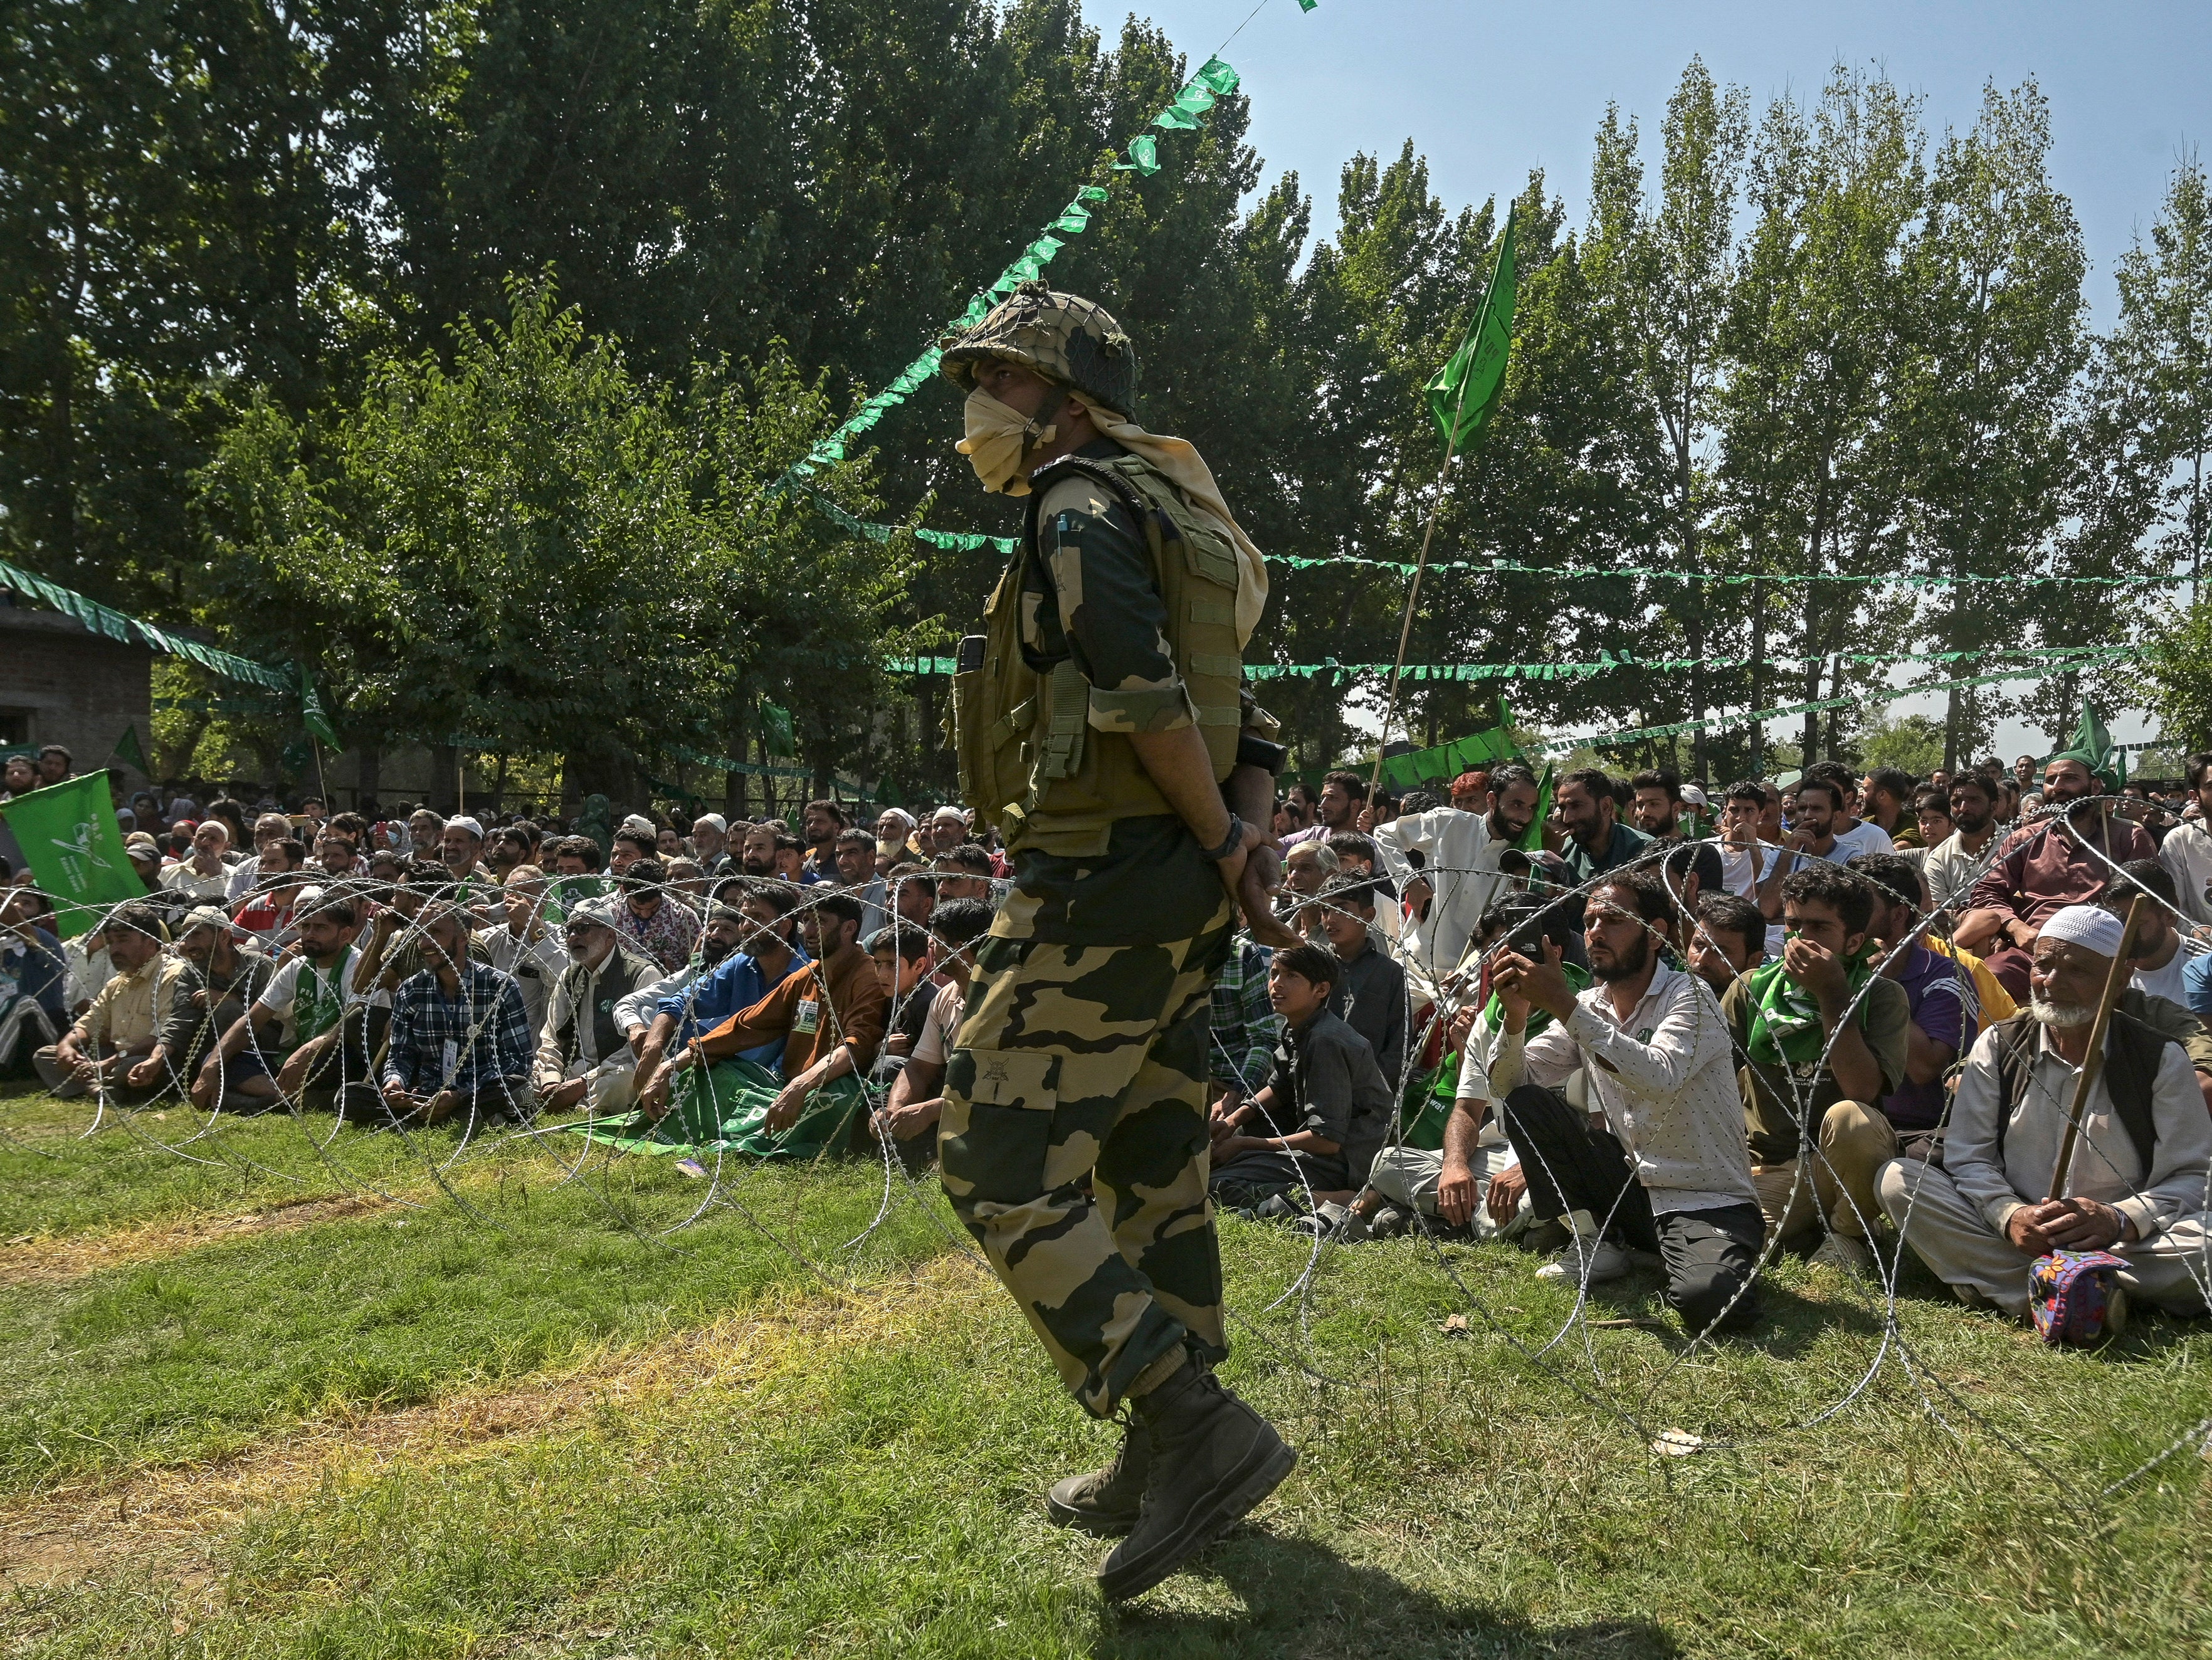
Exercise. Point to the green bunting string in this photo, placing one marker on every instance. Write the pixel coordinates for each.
(1215, 79)
(1608, 661)
(1726, 722)
(134, 631)
(1726, 578)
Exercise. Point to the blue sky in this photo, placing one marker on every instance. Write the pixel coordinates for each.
(1487, 91)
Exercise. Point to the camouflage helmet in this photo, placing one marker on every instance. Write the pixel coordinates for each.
(1071, 341)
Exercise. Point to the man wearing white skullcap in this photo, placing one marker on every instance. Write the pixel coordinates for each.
(460, 848)
(2136, 1185)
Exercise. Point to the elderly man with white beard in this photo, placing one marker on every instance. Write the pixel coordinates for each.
(2136, 1186)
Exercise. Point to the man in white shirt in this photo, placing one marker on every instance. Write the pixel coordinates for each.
(305, 1029)
(1671, 1170)
(2136, 1186)
(1460, 874)
(1752, 867)
(527, 947)
(204, 876)
(2157, 964)
(2187, 849)
(1822, 816)
(1956, 863)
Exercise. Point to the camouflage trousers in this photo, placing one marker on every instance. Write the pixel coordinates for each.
(1074, 1146)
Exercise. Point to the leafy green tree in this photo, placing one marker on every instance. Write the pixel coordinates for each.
(532, 543)
(1664, 270)
(1807, 455)
(2166, 337)
(1993, 283)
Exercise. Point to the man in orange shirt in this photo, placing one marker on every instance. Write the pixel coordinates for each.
(830, 1013)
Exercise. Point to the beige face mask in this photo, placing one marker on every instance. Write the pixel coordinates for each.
(1000, 438)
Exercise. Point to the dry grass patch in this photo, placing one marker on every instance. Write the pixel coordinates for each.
(29, 1260)
(172, 1518)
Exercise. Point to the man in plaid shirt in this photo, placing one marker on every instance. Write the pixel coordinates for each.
(459, 1036)
(1241, 1048)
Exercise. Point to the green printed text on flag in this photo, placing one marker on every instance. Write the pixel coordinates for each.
(68, 832)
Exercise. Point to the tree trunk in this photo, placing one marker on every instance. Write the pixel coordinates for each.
(368, 772)
(445, 778)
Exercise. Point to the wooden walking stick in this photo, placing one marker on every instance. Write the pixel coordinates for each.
(2094, 1059)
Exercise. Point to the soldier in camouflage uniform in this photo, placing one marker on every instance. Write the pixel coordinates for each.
(1100, 723)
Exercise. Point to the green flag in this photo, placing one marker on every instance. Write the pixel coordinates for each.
(68, 832)
(312, 714)
(776, 730)
(1531, 840)
(128, 751)
(1465, 393)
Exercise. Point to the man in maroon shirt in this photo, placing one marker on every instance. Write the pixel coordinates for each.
(2043, 868)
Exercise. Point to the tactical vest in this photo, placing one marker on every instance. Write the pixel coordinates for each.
(1029, 760)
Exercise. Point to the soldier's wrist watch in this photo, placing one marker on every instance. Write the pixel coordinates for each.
(1230, 842)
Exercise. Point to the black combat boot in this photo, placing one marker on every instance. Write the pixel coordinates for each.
(1213, 1459)
(1106, 1501)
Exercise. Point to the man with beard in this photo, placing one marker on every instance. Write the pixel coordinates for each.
(314, 1005)
(2044, 867)
(1597, 841)
(1669, 1171)
(1955, 863)
(2186, 853)
(222, 977)
(582, 1060)
(526, 946)
(745, 953)
(2136, 1186)
(1458, 876)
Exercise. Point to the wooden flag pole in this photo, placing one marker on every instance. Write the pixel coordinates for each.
(2092, 1062)
(1413, 592)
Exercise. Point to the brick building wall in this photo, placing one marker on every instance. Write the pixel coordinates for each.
(60, 684)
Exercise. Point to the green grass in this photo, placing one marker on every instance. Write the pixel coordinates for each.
(870, 1486)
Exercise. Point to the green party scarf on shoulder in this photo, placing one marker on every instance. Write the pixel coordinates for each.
(1785, 1018)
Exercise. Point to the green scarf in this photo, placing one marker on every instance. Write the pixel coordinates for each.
(1785, 1018)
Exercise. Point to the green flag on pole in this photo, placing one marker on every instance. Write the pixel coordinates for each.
(312, 714)
(128, 751)
(68, 834)
(1465, 393)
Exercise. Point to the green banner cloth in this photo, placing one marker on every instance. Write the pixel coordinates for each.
(725, 1109)
(68, 834)
(1465, 393)
(776, 730)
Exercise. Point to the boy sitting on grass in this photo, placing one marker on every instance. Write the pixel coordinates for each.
(908, 1119)
(1325, 1111)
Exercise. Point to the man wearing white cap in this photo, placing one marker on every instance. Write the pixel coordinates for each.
(2136, 1185)
(710, 843)
(461, 849)
(947, 829)
(582, 1056)
(223, 975)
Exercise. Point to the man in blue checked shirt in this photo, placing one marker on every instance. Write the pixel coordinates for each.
(1241, 1047)
(459, 1035)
